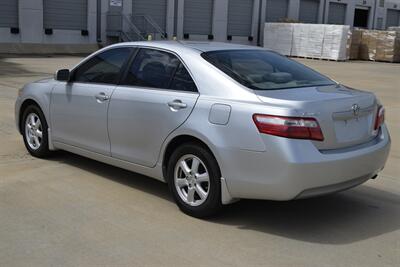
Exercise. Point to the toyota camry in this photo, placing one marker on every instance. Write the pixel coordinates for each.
(217, 122)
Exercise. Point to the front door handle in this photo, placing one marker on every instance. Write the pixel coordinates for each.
(177, 105)
(101, 97)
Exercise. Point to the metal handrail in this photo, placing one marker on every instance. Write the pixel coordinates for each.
(132, 27)
(149, 20)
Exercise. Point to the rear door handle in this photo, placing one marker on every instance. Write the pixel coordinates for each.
(101, 97)
(177, 104)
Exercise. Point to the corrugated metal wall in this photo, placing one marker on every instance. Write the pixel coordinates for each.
(337, 13)
(276, 10)
(8, 13)
(392, 18)
(156, 9)
(240, 17)
(198, 16)
(65, 14)
(309, 10)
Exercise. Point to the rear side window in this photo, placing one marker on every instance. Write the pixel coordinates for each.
(182, 80)
(158, 69)
(265, 70)
(104, 67)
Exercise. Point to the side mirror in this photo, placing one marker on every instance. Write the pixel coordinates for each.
(62, 75)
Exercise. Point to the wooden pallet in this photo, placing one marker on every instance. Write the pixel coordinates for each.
(319, 58)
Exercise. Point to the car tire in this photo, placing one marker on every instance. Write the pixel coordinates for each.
(197, 191)
(35, 132)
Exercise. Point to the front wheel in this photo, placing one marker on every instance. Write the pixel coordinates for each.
(34, 131)
(194, 180)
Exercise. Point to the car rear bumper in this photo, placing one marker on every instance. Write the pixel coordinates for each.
(291, 169)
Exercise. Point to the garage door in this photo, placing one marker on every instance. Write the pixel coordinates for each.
(67, 15)
(392, 18)
(337, 13)
(198, 17)
(156, 9)
(240, 16)
(8, 13)
(276, 10)
(309, 10)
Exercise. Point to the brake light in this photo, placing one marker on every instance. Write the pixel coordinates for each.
(380, 117)
(290, 127)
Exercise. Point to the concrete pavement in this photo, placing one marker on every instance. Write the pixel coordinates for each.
(72, 211)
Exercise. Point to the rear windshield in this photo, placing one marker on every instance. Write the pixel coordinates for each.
(264, 70)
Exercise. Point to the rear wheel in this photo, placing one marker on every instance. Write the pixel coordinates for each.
(34, 131)
(194, 180)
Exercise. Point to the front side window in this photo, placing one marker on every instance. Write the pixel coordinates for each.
(158, 69)
(104, 67)
(264, 70)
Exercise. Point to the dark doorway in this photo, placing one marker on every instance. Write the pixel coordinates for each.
(361, 18)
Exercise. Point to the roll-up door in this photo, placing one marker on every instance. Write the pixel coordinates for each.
(66, 15)
(276, 10)
(8, 13)
(337, 13)
(309, 10)
(198, 16)
(155, 9)
(392, 18)
(240, 17)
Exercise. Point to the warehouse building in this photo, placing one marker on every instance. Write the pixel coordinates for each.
(86, 22)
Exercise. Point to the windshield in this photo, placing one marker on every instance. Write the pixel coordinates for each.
(264, 70)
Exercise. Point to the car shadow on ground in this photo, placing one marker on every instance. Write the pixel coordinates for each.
(342, 218)
(9, 68)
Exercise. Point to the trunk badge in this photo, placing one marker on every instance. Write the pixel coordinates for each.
(356, 110)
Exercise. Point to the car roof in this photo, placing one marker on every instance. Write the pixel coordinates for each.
(191, 45)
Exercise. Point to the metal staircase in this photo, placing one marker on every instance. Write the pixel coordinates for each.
(139, 28)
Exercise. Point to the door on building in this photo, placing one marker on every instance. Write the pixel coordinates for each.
(66, 15)
(8, 13)
(392, 18)
(240, 17)
(337, 13)
(156, 10)
(277, 10)
(198, 17)
(361, 17)
(309, 10)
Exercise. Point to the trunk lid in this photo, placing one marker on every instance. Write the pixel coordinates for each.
(346, 115)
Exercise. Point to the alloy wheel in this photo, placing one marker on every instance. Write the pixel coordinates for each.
(192, 180)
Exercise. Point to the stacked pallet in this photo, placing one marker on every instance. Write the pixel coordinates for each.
(375, 45)
(308, 40)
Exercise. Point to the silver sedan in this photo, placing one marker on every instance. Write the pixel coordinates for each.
(217, 122)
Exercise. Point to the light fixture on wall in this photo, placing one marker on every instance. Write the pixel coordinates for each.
(14, 30)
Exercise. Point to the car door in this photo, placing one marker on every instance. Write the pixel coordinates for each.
(78, 108)
(155, 97)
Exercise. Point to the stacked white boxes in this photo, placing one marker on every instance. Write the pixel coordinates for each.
(299, 41)
(335, 44)
(279, 37)
(308, 40)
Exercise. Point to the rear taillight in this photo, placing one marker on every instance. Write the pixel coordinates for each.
(290, 127)
(380, 118)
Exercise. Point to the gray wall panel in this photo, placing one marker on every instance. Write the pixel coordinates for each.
(276, 10)
(392, 18)
(337, 13)
(156, 9)
(308, 12)
(66, 15)
(8, 13)
(240, 17)
(198, 16)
